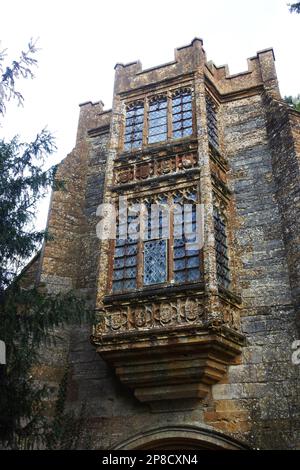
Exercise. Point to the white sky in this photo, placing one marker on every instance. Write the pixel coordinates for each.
(81, 41)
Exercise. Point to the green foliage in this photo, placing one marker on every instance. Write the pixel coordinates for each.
(294, 7)
(21, 68)
(28, 317)
(22, 184)
(293, 102)
(28, 321)
(66, 430)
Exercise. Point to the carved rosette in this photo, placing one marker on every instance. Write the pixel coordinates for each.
(155, 315)
(191, 311)
(144, 170)
(117, 321)
(166, 166)
(154, 166)
(141, 317)
(187, 161)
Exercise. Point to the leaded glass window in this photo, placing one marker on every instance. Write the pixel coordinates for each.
(186, 239)
(212, 122)
(156, 243)
(157, 120)
(155, 262)
(182, 116)
(134, 126)
(169, 252)
(221, 249)
(125, 259)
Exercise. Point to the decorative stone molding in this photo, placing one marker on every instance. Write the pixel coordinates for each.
(154, 166)
(181, 437)
(170, 348)
(169, 363)
(180, 311)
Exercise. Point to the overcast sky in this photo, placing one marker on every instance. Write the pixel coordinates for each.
(81, 41)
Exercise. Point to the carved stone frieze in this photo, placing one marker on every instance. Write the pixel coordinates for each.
(151, 315)
(152, 166)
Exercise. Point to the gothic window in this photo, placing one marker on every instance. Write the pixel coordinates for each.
(169, 252)
(182, 123)
(160, 128)
(157, 120)
(134, 126)
(212, 122)
(221, 248)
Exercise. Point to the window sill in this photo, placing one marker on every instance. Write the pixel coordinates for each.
(154, 291)
(149, 148)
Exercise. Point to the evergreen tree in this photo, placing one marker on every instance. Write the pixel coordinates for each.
(293, 102)
(294, 7)
(28, 316)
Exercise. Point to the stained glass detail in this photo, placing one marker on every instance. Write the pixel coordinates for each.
(155, 262)
(223, 276)
(212, 122)
(134, 126)
(157, 120)
(182, 114)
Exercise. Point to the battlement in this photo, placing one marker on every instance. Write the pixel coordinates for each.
(191, 58)
(92, 116)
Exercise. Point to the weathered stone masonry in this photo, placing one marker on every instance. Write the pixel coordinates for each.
(203, 363)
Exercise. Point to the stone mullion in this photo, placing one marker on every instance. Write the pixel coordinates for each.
(169, 116)
(112, 245)
(206, 190)
(171, 241)
(146, 124)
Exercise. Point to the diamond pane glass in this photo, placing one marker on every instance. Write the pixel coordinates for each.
(187, 266)
(129, 284)
(179, 264)
(119, 263)
(117, 286)
(221, 249)
(179, 276)
(193, 274)
(125, 259)
(212, 121)
(155, 262)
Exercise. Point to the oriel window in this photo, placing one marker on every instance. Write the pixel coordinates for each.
(165, 243)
